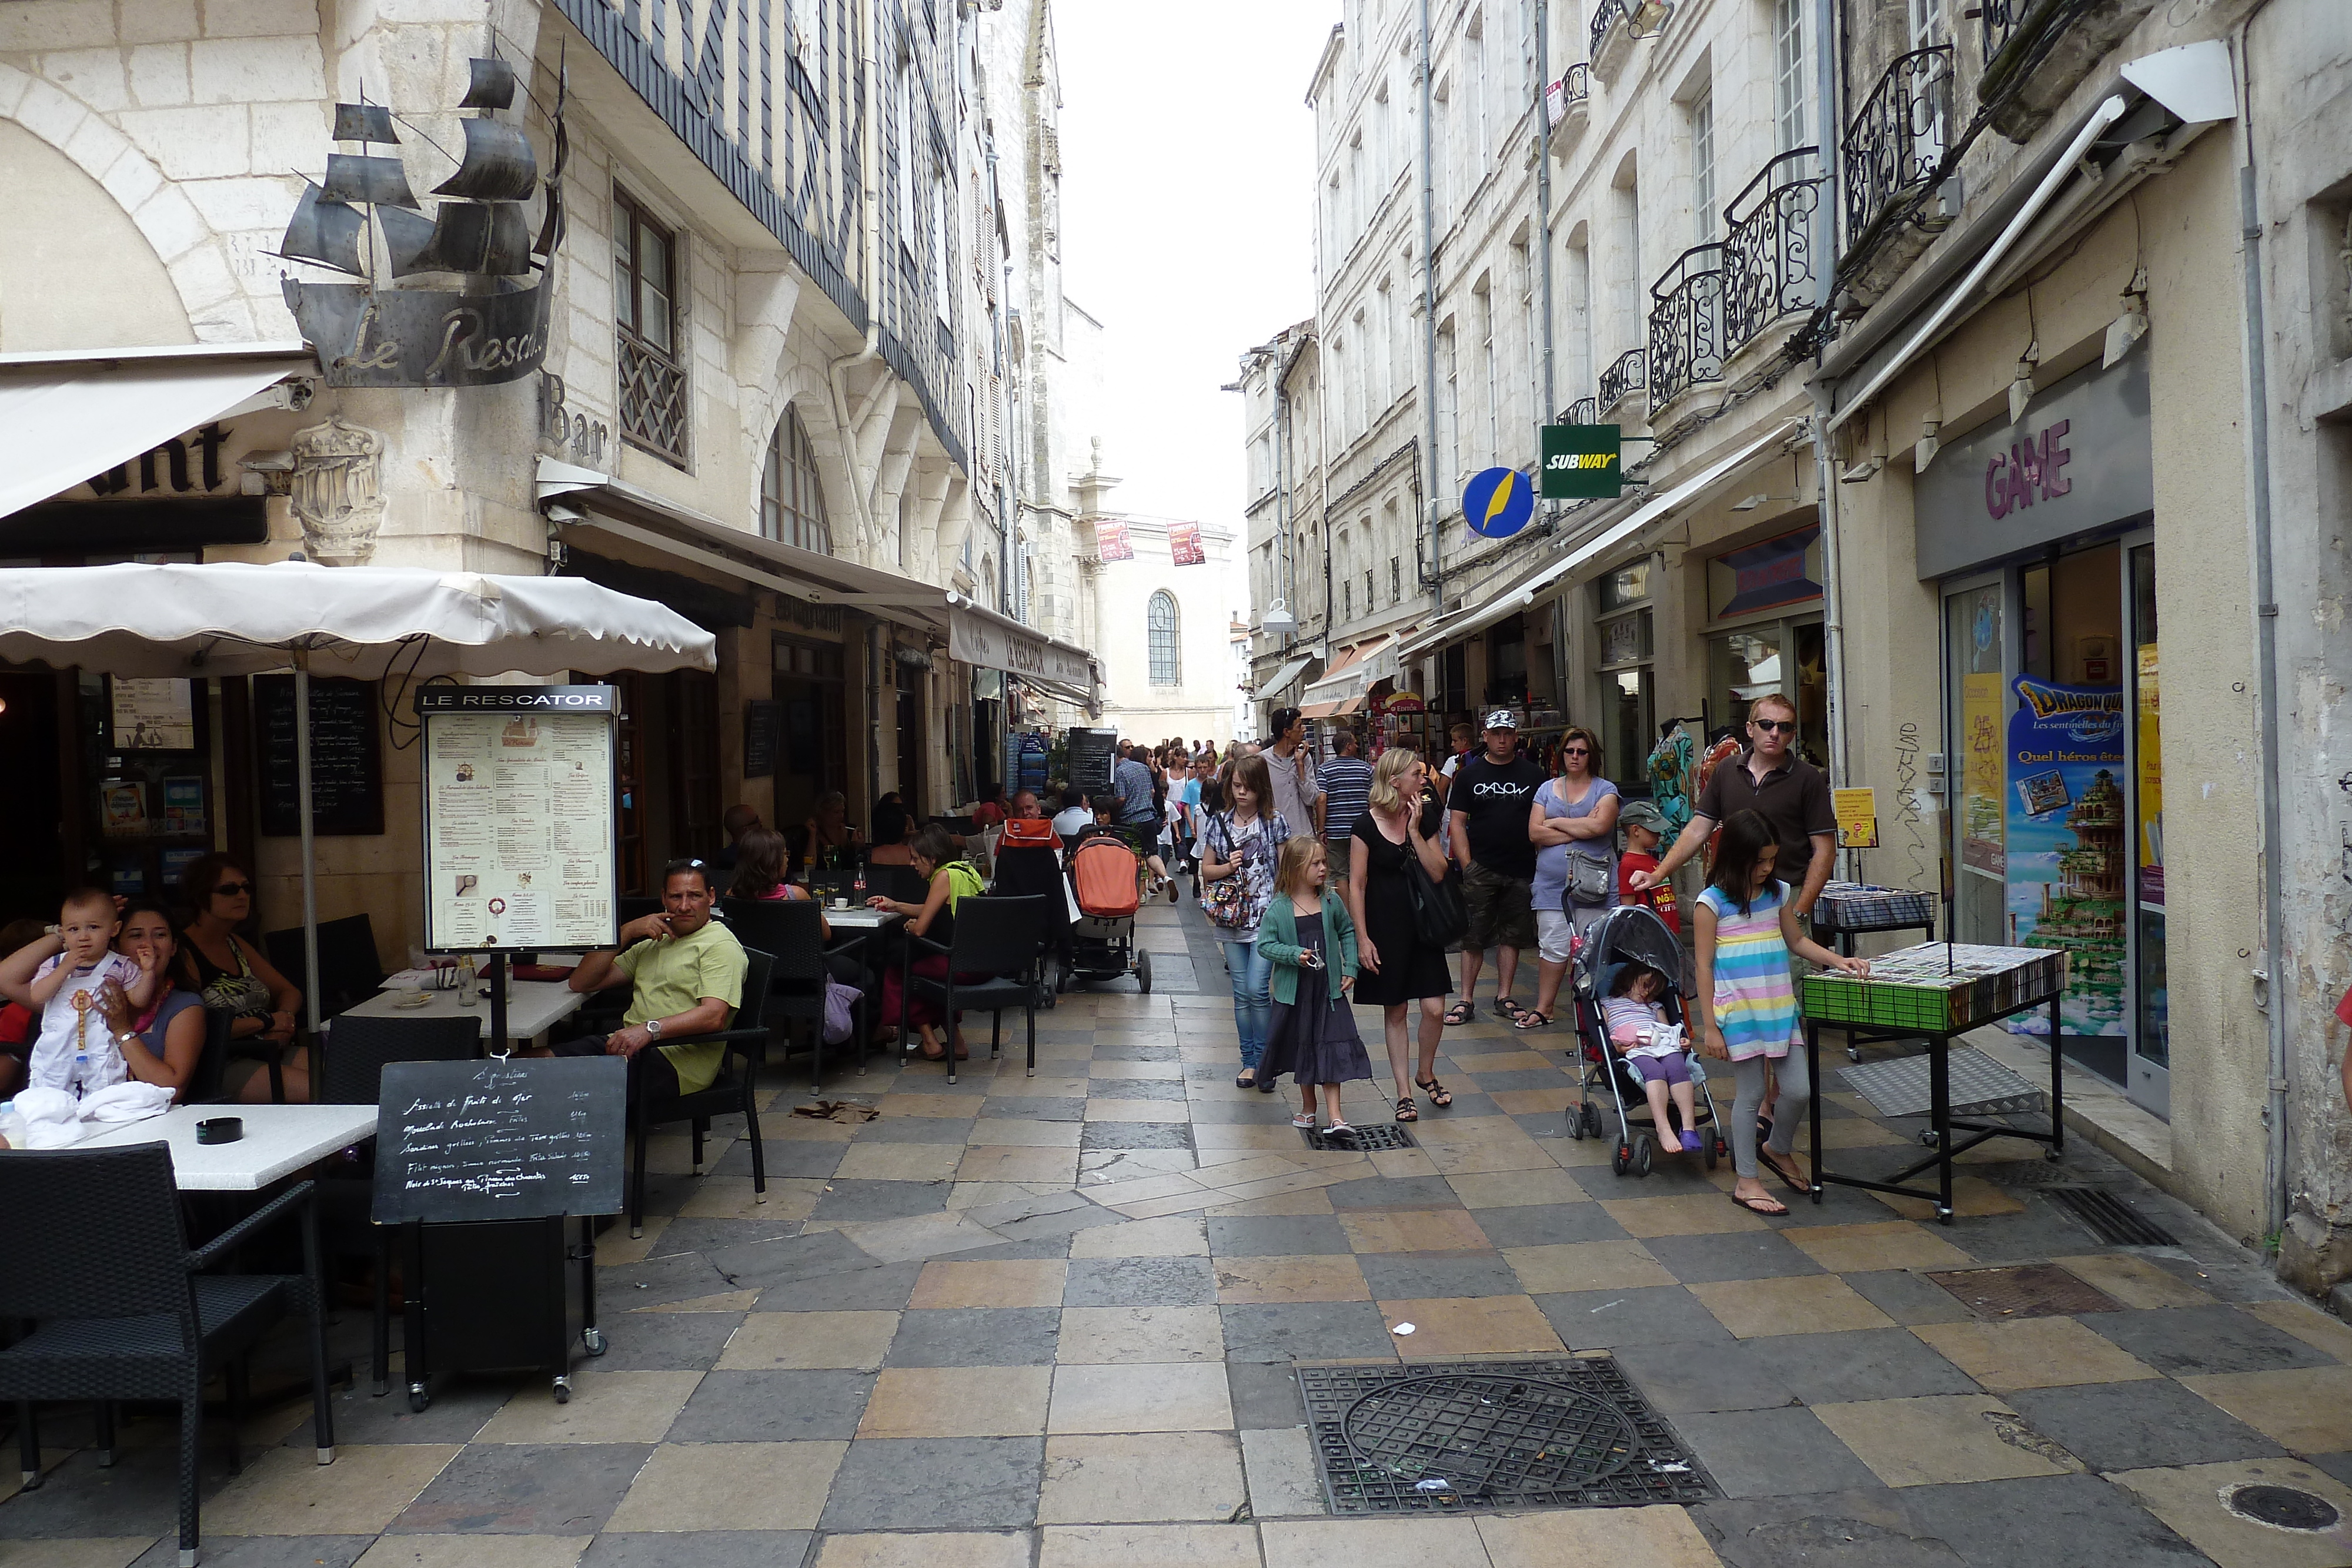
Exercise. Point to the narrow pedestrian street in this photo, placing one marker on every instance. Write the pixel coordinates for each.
(1061, 1319)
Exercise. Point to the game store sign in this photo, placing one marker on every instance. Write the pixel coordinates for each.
(2080, 460)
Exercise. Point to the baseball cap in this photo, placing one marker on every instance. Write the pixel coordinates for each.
(1502, 718)
(1641, 814)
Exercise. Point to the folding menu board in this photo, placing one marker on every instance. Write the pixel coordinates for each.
(519, 853)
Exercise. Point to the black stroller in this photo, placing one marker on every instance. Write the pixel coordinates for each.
(1629, 935)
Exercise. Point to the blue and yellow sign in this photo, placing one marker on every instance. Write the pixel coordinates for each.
(1498, 502)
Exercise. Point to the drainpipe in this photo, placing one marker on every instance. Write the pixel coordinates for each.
(2276, 989)
(1544, 405)
(1434, 503)
(870, 186)
(1003, 411)
(1826, 218)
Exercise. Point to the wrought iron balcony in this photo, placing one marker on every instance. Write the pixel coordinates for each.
(1896, 144)
(1999, 20)
(1686, 341)
(1769, 262)
(1616, 24)
(1627, 376)
(1566, 104)
(1583, 411)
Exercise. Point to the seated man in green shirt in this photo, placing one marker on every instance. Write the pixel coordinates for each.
(684, 971)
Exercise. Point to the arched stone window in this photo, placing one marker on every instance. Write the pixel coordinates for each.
(791, 500)
(1160, 621)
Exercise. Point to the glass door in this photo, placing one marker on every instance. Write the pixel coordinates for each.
(1980, 653)
(2150, 1065)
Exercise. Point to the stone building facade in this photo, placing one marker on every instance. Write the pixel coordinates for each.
(1976, 367)
(779, 391)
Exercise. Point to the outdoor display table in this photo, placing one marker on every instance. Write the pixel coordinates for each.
(278, 1141)
(1849, 909)
(1935, 992)
(533, 1006)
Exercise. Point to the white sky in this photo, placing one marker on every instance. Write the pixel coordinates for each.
(1188, 214)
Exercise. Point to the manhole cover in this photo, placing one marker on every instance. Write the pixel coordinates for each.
(2026, 1290)
(2110, 1218)
(1359, 1140)
(1436, 1436)
(2284, 1508)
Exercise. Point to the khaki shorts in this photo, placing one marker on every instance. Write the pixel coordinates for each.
(1502, 913)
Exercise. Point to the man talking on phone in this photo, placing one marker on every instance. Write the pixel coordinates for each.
(684, 971)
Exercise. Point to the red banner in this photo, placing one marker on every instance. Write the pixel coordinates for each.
(1111, 542)
(1184, 545)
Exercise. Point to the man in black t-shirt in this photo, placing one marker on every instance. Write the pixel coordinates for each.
(1487, 806)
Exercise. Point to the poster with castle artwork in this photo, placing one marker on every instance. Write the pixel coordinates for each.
(2067, 866)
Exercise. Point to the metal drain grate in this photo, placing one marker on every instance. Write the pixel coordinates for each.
(2025, 1291)
(1439, 1436)
(1359, 1140)
(2110, 1218)
(2283, 1508)
(2036, 1175)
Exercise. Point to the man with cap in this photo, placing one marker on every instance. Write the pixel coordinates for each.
(1644, 825)
(1487, 811)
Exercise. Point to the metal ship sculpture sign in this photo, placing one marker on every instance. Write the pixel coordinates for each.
(478, 312)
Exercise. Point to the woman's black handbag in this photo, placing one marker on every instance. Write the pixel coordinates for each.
(1440, 919)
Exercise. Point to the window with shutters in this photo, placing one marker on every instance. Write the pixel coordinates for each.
(644, 313)
(792, 499)
(1160, 630)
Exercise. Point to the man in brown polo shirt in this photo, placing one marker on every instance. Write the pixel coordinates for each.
(1790, 791)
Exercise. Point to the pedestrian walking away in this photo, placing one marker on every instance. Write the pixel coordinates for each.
(1309, 939)
(1238, 852)
(1744, 1006)
(1488, 806)
(1574, 824)
(1398, 971)
(1347, 788)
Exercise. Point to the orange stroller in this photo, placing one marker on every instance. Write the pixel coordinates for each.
(1102, 872)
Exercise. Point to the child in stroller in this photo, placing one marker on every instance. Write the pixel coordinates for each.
(1656, 1051)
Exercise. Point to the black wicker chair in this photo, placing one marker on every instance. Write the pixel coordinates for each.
(793, 932)
(117, 1307)
(350, 972)
(357, 1050)
(745, 1043)
(992, 964)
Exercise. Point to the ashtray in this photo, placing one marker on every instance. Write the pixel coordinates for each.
(220, 1130)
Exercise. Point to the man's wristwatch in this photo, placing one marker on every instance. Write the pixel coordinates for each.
(653, 1027)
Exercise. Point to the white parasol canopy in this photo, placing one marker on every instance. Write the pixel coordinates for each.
(231, 618)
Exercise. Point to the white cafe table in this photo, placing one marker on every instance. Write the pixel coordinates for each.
(278, 1141)
(861, 918)
(533, 1006)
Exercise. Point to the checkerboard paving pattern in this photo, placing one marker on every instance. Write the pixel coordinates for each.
(1051, 1319)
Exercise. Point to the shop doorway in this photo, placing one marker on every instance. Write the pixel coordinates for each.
(2055, 789)
(32, 798)
(910, 740)
(814, 759)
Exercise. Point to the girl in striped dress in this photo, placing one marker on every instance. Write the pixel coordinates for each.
(1746, 1004)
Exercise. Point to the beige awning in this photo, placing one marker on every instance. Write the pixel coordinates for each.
(981, 637)
(66, 417)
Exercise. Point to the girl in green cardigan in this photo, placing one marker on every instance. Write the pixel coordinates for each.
(1309, 939)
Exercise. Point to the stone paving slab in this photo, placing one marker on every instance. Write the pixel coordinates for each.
(1053, 1321)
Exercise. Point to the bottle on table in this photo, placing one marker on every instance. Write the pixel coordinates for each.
(468, 982)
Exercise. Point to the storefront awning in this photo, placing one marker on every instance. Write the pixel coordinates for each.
(1522, 594)
(1352, 674)
(612, 505)
(1333, 710)
(1279, 682)
(985, 639)
(66, 417)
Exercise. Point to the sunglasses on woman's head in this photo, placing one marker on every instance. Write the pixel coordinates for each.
(231, 889)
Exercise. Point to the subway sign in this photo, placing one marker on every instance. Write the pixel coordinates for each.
(1580, 461)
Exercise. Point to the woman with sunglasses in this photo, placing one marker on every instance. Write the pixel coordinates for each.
(234, 978)
(1572, 822)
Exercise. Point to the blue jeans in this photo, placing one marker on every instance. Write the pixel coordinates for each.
(1253, 976)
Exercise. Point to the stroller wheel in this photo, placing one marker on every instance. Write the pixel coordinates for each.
(1592, 1120)
(1576, 1123)
(1714, 1147)
(1641, 1153)
(1143, 970)
(1622, 1160)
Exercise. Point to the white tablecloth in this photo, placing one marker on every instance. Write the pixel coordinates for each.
(278, 1141)
(532, 1007)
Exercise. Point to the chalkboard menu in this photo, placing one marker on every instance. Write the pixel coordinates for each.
(499, 1139)
(763, 730)
(1091, 753)
(346, 758)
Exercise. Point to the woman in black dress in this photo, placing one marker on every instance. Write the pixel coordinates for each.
(1398, 969)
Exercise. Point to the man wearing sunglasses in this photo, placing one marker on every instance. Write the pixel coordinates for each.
(1771, 779)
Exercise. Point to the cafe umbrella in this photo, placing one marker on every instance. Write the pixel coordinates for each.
(233, 619)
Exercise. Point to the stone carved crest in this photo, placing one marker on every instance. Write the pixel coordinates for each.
(337, 490)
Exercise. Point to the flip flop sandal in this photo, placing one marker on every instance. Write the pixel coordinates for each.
(1405, 1110)
(1769, 1207)
(1337, 1130)
(1304, 1123)
(1439, 1095)
(1791, 1183)
(1505, 1008)
(1460, 1012)
(1530, 1019)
